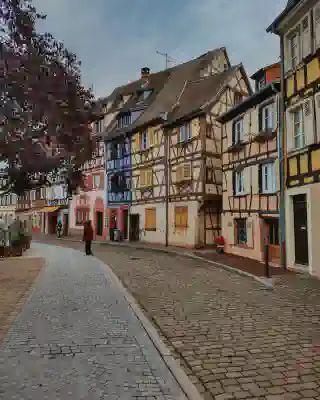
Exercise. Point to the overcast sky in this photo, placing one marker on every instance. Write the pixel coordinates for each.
(115, 38)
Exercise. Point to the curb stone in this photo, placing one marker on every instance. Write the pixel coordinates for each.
(266, 282)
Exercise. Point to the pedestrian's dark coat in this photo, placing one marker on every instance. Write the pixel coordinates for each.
(87, 232)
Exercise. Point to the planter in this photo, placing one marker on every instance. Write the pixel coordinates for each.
(16, 250)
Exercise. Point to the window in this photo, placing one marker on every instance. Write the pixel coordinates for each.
(181, 217)
(239, 182)
(241, 231)
(261, 83)
(82, 216)
(124, 120)
(146, 178)
(144, 140)
(96, 181)
(298, 128)
(294, 50)
(150, 223)
(266, 117)
(99, 126)
(184, 133)
(273, 232)
(237, 98)
(268, 180)
(238, 131)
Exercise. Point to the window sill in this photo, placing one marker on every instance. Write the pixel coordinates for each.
(268, 194)
(240, 194)
(242, 246)
(184, 142)
(150, 229)
(236, 147)
(265, 135)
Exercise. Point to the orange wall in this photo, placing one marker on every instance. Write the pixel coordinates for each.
(273, 73)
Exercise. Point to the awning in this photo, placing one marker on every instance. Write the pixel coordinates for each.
(49, 209)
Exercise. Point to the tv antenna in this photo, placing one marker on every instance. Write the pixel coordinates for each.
(167, 57)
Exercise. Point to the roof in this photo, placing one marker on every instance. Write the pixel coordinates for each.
(180, 83)
(259, 72)
(198, 92)
(291, 4)
(255, 99)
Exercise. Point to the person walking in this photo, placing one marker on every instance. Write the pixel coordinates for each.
(88, 237)
(59, 228)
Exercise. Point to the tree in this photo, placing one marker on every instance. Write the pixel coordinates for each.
(44, 109)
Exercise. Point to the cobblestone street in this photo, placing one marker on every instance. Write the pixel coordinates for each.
(233, 338)
(78, 338)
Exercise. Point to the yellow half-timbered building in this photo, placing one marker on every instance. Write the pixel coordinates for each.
(299, 29)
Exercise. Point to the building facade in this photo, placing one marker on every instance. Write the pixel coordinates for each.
(89, 202)
(250, 166)
(299, 29)
(176, 148)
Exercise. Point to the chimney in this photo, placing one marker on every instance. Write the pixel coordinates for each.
(145, 71)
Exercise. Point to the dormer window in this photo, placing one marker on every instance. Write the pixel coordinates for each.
(143, 95)
(124, 120)
(261, 83)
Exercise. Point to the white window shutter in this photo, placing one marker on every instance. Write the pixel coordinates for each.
(255, 179)
(289, 131)
(250, 233)
(229, 178)
(247, 180)
(229, 127)
(317, 112)
(308, 125)
(317, 26)
(246, 126)
(306, 37)
(231, 233)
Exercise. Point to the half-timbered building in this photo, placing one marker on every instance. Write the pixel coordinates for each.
(194, 152)
(176, 153)
(250, 177)
(88, 204)
(299, 29)
(124, 111)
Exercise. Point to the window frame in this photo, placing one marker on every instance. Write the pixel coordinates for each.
(144, 140)
(270, 118)
(124, 120)
(185, 133)
(273, 223)
(238, 135)
(300, 135)
(239, 180)
(237, 228)
(268, 187)
(94, 184)
(295, 34)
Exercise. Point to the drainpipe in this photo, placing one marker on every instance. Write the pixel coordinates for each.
(281, 155)
(166, 174)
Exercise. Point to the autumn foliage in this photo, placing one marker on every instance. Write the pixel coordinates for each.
(44, 109)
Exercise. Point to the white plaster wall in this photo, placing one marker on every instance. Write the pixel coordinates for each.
(158, 236)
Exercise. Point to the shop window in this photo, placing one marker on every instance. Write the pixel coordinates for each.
(150, 219)
(181, 217)
(241, 231)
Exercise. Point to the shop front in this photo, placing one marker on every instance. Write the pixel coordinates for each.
(57, 210)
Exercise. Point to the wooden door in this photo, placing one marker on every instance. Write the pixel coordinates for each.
(125, 224)
(99, 223)
(301, 229)
(65, 224)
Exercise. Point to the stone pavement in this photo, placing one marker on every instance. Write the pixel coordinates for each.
(233, 339)
(77, 338)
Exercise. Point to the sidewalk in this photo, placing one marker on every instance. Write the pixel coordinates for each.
(242, 265)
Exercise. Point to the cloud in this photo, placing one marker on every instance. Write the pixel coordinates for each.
(115, 38)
